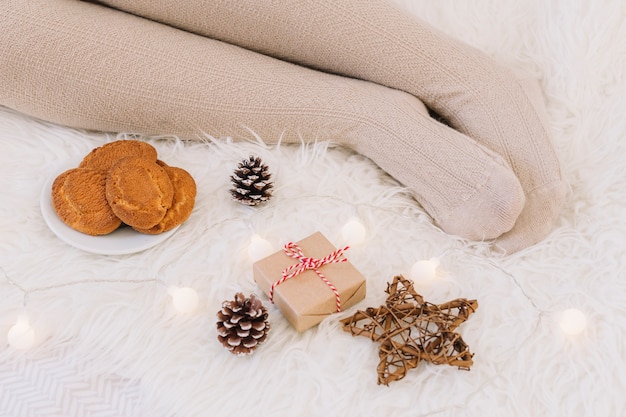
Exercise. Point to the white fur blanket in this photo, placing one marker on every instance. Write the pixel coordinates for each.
(107, 341)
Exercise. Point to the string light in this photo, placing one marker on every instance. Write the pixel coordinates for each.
(424, 271)
(572, 321)
(259, 248)
(184, 299)
(21, 335)
(354, 232)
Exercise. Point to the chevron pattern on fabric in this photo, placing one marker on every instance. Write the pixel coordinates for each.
(57, 386)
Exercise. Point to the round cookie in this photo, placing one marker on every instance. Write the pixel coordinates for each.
(79, 199)
(139, 191)
(182, 203)
(105, 156)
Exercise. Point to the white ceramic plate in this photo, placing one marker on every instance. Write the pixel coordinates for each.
(123, 241)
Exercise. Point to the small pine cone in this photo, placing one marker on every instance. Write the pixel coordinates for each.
(242, 324)
(251, 182)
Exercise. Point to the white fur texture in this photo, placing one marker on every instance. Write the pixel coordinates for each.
(118, 348)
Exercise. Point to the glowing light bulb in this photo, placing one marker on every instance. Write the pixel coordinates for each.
(185, 299)
(572, 321)
(21, 335)
(354, 232)
(259, 248)
(424, 271)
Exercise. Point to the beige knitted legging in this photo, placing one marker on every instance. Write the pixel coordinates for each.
(89, 66)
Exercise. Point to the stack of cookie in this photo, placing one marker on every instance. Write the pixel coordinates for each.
(123, 182)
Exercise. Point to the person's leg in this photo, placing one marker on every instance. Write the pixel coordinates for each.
(92, 67)
(376, 40)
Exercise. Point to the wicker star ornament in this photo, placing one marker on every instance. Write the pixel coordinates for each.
(410, 330)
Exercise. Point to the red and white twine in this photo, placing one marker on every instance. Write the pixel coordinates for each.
(305, 263)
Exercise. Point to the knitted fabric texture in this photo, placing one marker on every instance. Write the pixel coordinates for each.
(157, 79)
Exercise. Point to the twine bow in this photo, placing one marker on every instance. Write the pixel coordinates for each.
(306, 263)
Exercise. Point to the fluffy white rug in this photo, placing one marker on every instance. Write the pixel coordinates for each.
(109, 343)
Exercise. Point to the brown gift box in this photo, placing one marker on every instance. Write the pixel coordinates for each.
(305, 299)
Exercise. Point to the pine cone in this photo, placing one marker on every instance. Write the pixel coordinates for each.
(251, 182)
(242, 324)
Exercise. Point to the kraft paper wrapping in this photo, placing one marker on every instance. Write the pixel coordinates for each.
(305, 300)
